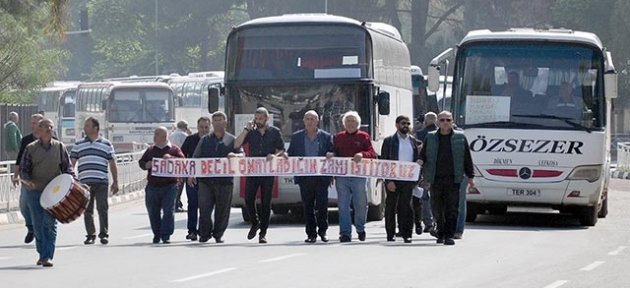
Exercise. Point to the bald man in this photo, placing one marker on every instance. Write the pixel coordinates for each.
(160, 191)
(312, 142)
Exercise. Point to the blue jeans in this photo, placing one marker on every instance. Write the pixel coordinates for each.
(44, 226)
(427, 214)
(351, 190)
(26, 212)
(461, 220)
(161, 198)
(192, 193)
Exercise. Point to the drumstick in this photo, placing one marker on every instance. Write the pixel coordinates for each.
(26, 182)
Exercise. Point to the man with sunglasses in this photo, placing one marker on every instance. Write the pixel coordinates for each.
(401, 147)
(446, 158)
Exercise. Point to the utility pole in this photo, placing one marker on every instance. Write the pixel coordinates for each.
(156, 39)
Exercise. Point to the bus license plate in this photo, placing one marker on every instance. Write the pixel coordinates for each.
(523, 192)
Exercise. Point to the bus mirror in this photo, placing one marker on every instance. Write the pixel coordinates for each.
(213, 99)
(610, 84)
(434, 78)
(383, 103)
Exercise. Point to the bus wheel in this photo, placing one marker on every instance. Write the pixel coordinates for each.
(471, 211)
(245, 214)
(603, 211)
(497, 209)
(588, 216)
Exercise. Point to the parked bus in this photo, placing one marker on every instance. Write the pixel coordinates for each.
(294, 63)
(128, 112)
(57, 103)
(535, 106)
(191, 94)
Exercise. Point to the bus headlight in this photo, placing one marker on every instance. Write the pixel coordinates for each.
(589, 173)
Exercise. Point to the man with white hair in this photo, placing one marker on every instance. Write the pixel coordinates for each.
(356, 144)
(12, 137)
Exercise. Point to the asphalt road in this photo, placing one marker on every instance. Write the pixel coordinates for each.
(532, 250)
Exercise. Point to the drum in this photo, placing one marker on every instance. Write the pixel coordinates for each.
(65, 198)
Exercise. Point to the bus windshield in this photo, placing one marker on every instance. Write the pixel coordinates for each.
(537, 86)
(297, 52)
(140, 106)
(69, 104)
(288, 104)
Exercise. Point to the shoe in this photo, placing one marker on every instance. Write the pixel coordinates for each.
(458, 235)
(219, 240)
(203, 239)
(29, 237)
(252, 231)
(419, 230)
(344, 238)
(323, 237)
(192, 237)
(262, 240)
(39, 262)
(391, 239)
(398, 234)
(361, 236)
(407, 239)
(47, 263)
(89, 240)
(433, 232)
(156, 239)
(439, 241)
(427, 228)
(104, 240)
(310, 240)
(449, 241)
(166, 241)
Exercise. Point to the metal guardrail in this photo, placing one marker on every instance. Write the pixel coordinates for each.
(623, 156)
(130, 179)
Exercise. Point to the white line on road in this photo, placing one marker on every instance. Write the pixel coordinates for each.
(5, 258)
(205, 275)
(66, 248)
(138, 236)
(557, 284)
(281, 258)
(592, 266)
(617, 251)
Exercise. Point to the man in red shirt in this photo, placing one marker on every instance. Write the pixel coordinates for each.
(352, 190)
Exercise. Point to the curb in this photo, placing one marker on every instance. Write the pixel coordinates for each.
(620, 175)
(15, 217)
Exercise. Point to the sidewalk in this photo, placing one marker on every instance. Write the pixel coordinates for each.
(15, 217)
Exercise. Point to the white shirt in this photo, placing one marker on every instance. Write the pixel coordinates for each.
(178, 137)
(405, 150)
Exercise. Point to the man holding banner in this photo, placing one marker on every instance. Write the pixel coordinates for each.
(312, 142)
(264, 141)
(352, 190)
(401, 147)
(215, 193)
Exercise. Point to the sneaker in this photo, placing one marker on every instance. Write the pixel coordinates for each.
(310, 240)
(262, 240)
(29, 237)
(47, 263)
(252, 231)
(344, 238)
(449, 241)
(89, 240)
(361, 236)
(104, 240)
(458, 235)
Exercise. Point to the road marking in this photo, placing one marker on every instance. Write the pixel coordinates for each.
(592, 266)
(66, 248)
(617, 251)
(5, 258)
(138, 236)
(205, 275)
(281, 258)
(557, 284)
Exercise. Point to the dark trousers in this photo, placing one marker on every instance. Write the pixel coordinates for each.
(98, 194)
(217, 197)
(160, 202)
(445, 204)
(266, 188)
(193, 207)
(180, 189)
(314, 192)
(399, 202)
(416, 203)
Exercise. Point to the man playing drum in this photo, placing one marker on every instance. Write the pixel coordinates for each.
(42, 161)
(94, 154)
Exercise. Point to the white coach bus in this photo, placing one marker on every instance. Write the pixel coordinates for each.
(293, 63)
(535, 106)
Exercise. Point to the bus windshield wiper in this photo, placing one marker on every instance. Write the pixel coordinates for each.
(564, 119)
